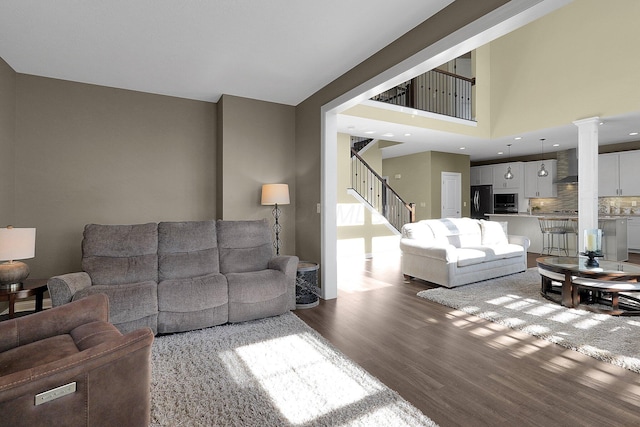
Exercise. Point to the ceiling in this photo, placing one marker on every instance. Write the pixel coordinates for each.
(612, 130)
(280, 51)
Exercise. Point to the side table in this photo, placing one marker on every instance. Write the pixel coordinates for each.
(28, 288)
(307, 285)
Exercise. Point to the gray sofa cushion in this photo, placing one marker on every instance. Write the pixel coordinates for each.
(187, 249)
(257, 294)
(244, 245)
(132, 302)
(119, 254)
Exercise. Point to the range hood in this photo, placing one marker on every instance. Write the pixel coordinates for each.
(572, 173)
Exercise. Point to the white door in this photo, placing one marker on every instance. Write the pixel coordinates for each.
(451, 195)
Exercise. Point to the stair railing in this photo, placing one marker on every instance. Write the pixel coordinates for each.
(378, 194)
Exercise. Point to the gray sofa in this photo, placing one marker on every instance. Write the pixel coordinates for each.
(179, 276)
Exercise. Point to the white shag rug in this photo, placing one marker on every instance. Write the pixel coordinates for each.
(515, 301)
(271, 372)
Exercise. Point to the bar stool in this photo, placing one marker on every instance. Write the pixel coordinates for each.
(573, 229)
(554, 235)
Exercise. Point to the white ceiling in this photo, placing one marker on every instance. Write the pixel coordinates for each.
(612, 130)
(277, 50)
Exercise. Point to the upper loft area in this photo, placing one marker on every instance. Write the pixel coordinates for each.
(446, 90)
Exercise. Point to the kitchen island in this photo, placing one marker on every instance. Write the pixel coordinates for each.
(614, 229)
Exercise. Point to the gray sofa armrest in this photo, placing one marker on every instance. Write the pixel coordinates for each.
(520, 240)
(288, 264)
(63, 287)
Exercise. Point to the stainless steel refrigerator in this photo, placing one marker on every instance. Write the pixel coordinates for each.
(481, 201)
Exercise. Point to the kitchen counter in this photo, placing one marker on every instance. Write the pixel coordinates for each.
(614, 230)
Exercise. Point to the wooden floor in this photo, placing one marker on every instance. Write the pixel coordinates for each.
(460, 370)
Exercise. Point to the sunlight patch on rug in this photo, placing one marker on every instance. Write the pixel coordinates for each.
(515, 301)
(269, 372)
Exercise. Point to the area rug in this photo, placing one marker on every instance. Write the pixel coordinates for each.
(271, 372)
(515, 301)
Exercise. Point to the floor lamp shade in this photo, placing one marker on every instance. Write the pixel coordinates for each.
(276, 194)
(15, 244)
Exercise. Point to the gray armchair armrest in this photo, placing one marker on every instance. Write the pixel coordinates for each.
(288, 264)
(62, 288)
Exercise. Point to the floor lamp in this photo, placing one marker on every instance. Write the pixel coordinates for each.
(276, 194)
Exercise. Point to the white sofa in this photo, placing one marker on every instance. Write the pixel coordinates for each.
(457, 251)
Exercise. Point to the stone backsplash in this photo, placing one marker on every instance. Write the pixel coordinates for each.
(567, 199)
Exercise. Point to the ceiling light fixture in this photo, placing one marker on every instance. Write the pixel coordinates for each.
(542, 172)
(509, 174)
(633, 133)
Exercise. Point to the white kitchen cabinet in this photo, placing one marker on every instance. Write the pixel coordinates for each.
(499, 181)
(619, 174)
(633, 234)
(482, 175)
(536, 186)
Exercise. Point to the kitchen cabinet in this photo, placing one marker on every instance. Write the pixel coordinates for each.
(536, 186)
(499, 181)
(633, 234)
(619, 174)
(482, 175)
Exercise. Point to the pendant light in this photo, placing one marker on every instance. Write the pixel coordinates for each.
(509, 174)
(542, 172)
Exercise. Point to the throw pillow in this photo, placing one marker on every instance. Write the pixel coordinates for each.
(494, 233)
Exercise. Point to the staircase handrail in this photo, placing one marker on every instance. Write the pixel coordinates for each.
(410, 206)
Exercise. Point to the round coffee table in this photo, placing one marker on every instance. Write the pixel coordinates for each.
(29, 288)
(610, 277)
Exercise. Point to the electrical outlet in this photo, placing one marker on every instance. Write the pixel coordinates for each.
(464, 204)
(633, 203)
(318, 208)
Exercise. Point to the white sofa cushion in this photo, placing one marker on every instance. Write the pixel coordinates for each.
(459, 232)
(493, 232)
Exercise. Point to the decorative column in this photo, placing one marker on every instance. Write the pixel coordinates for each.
(587, 176)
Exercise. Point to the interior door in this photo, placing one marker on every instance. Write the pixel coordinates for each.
(451, 195)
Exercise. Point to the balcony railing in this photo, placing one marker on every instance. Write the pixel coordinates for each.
(435, 91)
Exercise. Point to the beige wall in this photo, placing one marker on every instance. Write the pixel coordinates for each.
(90, 154)
(256, 146)
(420, 179)
(308, 129)
(579, 61)
(358, 229)
(7, 142)
(414, 182)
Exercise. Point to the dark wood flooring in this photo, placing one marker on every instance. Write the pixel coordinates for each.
(460, 370)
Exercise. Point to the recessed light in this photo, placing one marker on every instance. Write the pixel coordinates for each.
(463, 148)
(407, 134)
(633, 133)
(500, 153)
(388, 134)
(518, 138)
(370, 132)
(556, 145)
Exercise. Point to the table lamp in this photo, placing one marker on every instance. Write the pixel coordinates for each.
(592, 246)
(276, 194)
(15, 244)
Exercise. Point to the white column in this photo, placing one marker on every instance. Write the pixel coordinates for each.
(587, 175)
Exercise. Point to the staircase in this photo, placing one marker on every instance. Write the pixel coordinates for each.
(374, 192)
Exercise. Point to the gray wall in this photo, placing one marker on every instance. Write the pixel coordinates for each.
(256, 145)
(7, 142)
(91, 154)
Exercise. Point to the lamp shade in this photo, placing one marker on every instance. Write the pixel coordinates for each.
(17, 243)
(275, 194)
